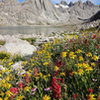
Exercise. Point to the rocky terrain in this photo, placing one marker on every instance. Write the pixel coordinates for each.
(43, 12)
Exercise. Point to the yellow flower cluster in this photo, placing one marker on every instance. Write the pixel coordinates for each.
(72, 55)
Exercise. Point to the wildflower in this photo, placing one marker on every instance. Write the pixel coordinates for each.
(75, 96)
(78, 51)
(27, 88)
(59, 63)
(1, 99)
(46, 97)
(46, 63)
(47, 89)
(56, 68)
(80, 71)
(8, 93)
(40, 74)
(1, 94)
(90, 90)
(6, 85)
(44, 77)
(27, 78)
(95, 57)
(56, 88)
(89, 54)
(21, 85)
(93, 36)
(6, 98)
(72, 56)
(91, 97)
(14, 90)
(62, 74)
(63, 54)
(89, 69)
(33, 89)
(85, 65)
(93, 64)
(79, 65)
(35, 72)
(20, 97)
(81, 58)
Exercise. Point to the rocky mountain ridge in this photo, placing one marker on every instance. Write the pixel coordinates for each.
(43, 12)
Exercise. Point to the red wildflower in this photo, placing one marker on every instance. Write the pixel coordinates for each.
(86, 42)
(93, 36)
(75, 96)
(59, 63)
(27, 78)
(56, 88)
(35, 71)
(14, 90)
(21, 85)
(90, 90)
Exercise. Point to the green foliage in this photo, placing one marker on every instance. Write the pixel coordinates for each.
(30, 40)
(4, 55)
(2, 42)
(17, 58)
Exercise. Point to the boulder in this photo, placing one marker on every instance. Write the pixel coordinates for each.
(18, 47)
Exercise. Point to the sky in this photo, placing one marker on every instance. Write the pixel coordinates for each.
(94, 1)
(57, 1)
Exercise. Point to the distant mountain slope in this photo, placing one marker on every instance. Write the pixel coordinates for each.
(43, 12)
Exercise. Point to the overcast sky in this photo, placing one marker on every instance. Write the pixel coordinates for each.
(57, 1)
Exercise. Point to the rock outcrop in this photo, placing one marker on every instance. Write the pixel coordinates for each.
(16, 46)
(43, 12)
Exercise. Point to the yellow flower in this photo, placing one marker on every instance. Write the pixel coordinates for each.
(93, 64)
(81, 58)
(20, 97)
(56, 68)
(6, 98)
(8, 93)
(27, 88)
(95, 57)
(79, 65)
(89, 69)
(85, 65)
(40, 74)
(63, 54)
(46, 97)
(10, 63)
(1, 94)
(44, 77)
(45, 63)
(91, 97)
(62, 74)
(1, 99)
(6, 85)
(89, 54)
(78, 51)
(80, 71)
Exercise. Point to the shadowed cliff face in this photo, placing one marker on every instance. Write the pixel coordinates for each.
(37, 12)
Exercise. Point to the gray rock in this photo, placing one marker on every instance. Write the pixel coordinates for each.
(18, 46)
